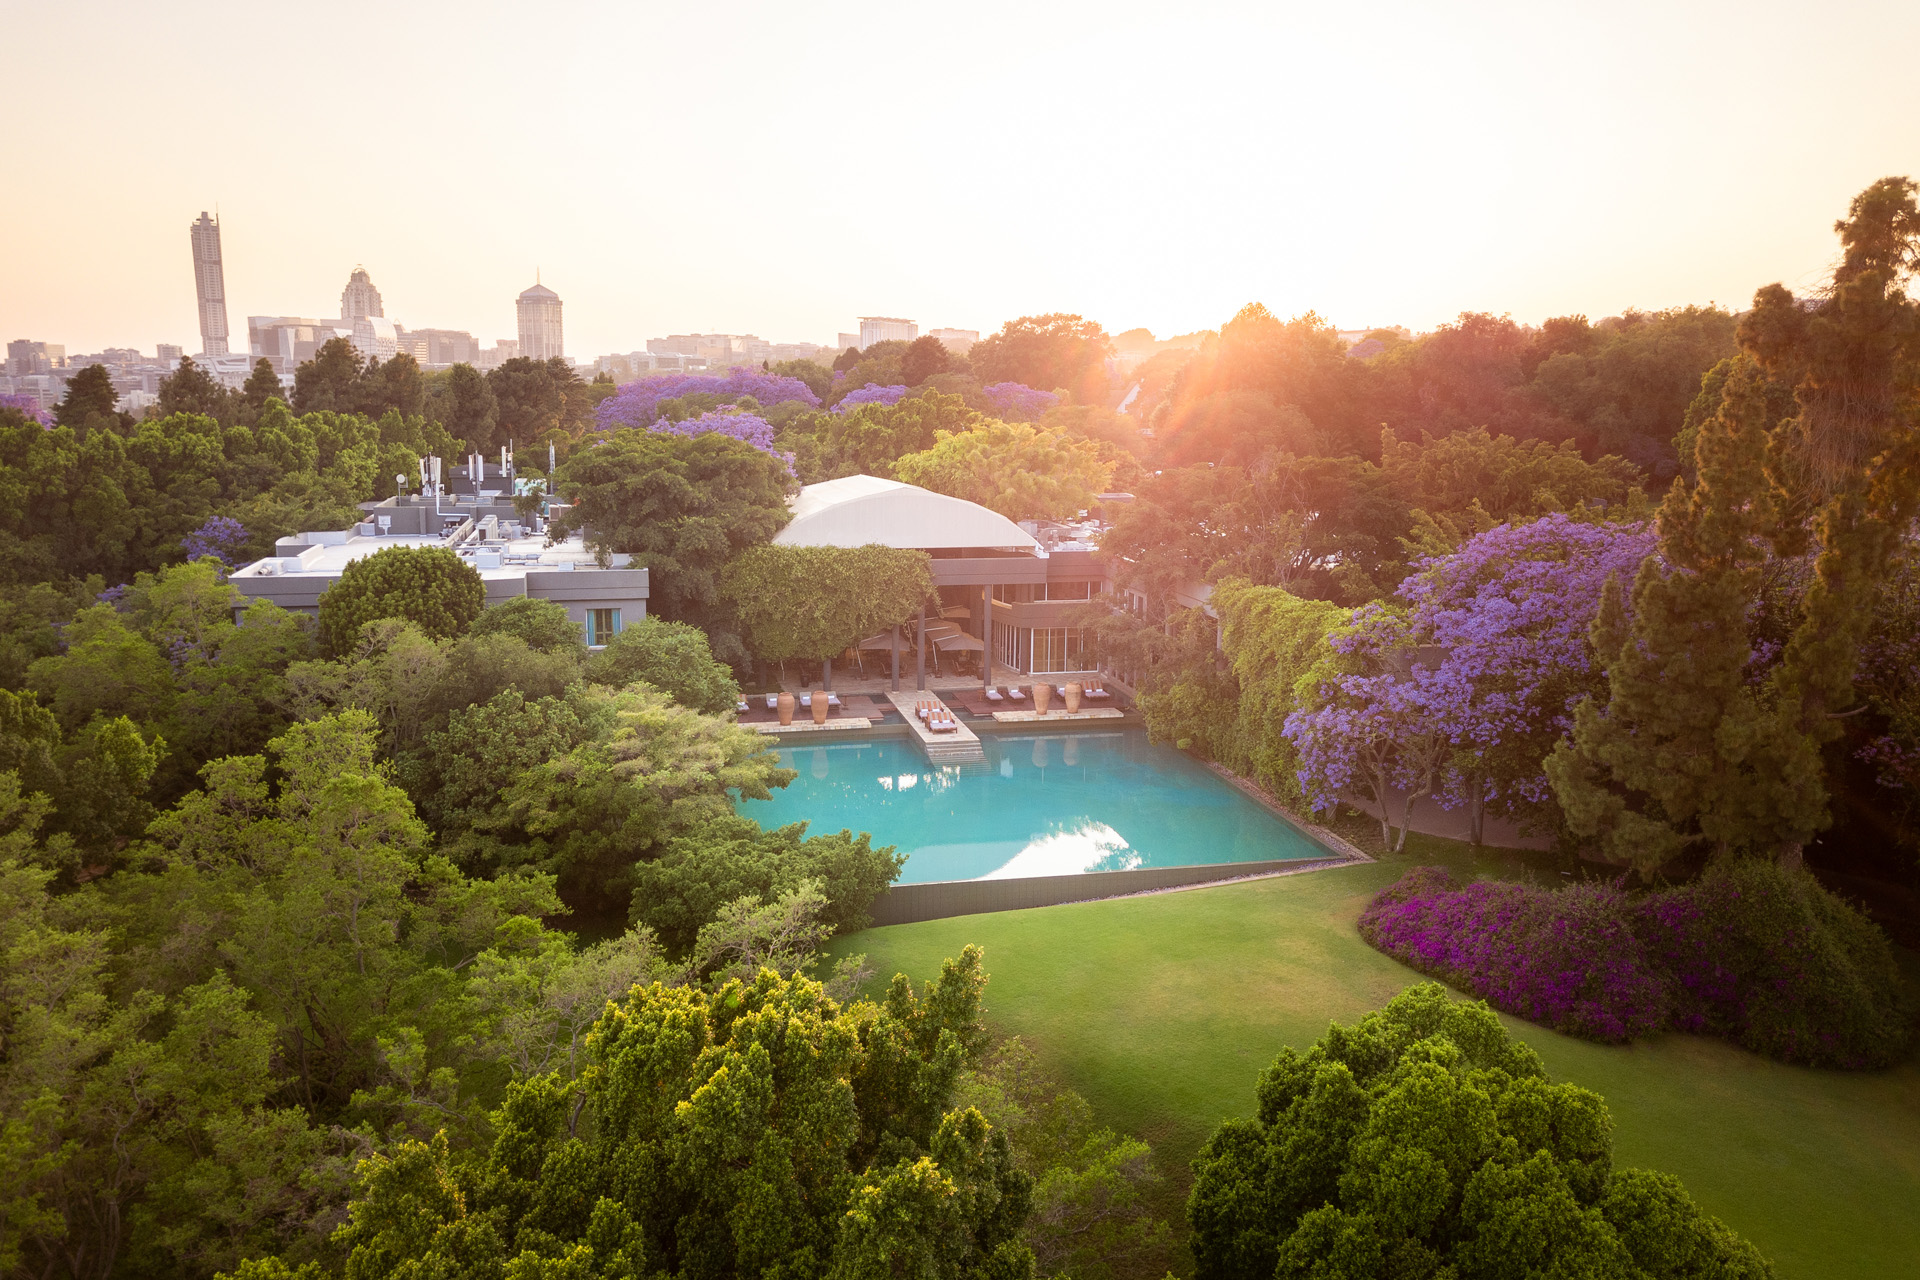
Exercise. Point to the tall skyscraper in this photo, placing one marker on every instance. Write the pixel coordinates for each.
(210, 284)
(359, 299)
(539, 309)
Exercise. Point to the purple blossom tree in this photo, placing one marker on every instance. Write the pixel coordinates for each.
(1506, 619)
(637, 404)
(1374, 725)
(871, 394)
(222, 537)
(28, 405)
(1017, 402)
(755, 430)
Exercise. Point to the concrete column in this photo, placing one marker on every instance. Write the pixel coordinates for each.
(920, 654)
(986, 638)
(826, 674)
(893, 649)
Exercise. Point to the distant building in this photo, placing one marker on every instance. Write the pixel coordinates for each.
(958, 341)
(539, 315)
(503, 351)
(360, 299)
(168, 354)
(25, 357)
(886, 329)
(439, 348)
(287, 342)
(844, 341)
(210, 285)
(374, 338)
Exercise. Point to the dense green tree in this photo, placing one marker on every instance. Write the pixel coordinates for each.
(543, 624)
(924, 357)
(88, 402)
(538, 400)
(818, 377)
(430, 587)
(393, 385)
(469, 409)
(262, 385)
(330, 380)
(1426, 1141)
(758, 1115)
(191, 389)
(730, 857)
(1017, 469)
(674, 658)
(682, 507)
(869, 438)
(1049, 353)
(815, 602)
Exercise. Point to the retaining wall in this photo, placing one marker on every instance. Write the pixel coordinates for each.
(908, 903)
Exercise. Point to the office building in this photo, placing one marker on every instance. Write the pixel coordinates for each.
(210, 285)
(26, 358)
(497, 355)
(958, 341)
(439, 348)
(539, 316)
(360, 300)
(168, 354)
(845, 340)
(886, 329)
(287, 342)
(374, 338)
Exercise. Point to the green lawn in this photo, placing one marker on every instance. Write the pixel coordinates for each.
(1162, 1009)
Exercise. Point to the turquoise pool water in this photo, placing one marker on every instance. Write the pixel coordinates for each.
(1042, 805)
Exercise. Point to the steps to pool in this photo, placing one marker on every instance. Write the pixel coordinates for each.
(960, 746)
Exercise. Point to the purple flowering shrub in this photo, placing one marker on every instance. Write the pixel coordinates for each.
(637, 404)
(1568, 959)
(1017, 402)
(871, 394)
(1759, 955)
(753, 429)
(1769, 959)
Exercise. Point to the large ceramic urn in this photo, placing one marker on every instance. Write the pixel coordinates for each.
(1042, 695)
(819, 706)
(1073, 697)
(786, 708)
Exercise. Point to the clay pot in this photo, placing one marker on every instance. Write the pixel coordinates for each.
(819, 706)
(1042, 695)
(786, 704)
(1073, 697)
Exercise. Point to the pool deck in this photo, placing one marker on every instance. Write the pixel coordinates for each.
(808, 726)
(962, 746)
(1051, 717)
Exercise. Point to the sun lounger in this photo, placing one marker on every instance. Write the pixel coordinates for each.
(741, 706)
(833, 699)
(1098, 690)
(806, 700)
(773, 702)
(994, 695)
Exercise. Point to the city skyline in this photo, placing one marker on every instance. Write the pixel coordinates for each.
(1399, 171)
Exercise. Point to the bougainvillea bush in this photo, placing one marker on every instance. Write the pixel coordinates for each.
(637, 404)
(1017, 402)
(1567, 959)
(1754, 952)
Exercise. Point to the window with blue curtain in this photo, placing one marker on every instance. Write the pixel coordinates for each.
(602, 626)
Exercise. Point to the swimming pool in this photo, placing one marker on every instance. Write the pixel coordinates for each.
(1042, 805)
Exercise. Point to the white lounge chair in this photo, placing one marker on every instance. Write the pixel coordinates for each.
(994, 695)
(773, 702)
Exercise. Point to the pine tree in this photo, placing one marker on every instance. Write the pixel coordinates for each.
(1696, 746)
(262, 383)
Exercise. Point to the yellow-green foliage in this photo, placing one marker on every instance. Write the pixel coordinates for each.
(1272, 639)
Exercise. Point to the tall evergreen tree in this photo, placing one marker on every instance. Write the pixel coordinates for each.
(89, 399)
(191, 389)
(1698, 746)
(263, 383)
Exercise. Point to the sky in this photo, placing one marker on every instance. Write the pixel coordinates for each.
(782, 169)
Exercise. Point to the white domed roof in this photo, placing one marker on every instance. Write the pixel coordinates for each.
(856, 511)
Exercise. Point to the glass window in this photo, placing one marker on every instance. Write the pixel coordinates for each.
(1057, 649)
(1080, 590)
(602, 625)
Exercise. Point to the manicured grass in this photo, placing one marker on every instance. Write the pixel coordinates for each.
(1162, 1009)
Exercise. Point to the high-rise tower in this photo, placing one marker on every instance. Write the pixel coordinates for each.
(539, 309)
(210, 285)
(359, 299)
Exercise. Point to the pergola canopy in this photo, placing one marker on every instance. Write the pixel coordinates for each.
(857, 511)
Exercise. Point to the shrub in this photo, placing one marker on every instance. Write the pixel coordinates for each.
(1760, 955)
(1769, 959)
(673, 657)
(430, 587)
(1568, 960)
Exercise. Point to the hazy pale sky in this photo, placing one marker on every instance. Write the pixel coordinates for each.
(781, 169)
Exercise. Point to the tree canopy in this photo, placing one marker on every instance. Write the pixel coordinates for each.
(814, 602)
(1021, 471)
(430, 587)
